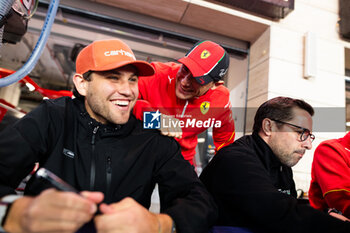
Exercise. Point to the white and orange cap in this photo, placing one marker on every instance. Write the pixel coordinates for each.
(104, 55)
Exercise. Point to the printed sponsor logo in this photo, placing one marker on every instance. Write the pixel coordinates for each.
(151, 120)
(222, 72)
(170, 79)
(119, 52)
(287, 191)
(68, 153)
(205, 107)
(205, 54)
(202, 80)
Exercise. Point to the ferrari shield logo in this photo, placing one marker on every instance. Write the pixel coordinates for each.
(205, 107)
(205, 54)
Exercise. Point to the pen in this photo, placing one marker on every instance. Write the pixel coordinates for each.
(55, 181)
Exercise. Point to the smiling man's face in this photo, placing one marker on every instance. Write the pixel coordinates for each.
(187, 87)
(111, 95)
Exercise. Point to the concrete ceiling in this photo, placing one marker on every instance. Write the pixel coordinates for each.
(178, 16)
(164, 9)
(195, 18)
(198, 14)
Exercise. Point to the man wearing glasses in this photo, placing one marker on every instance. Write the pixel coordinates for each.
(252, 180)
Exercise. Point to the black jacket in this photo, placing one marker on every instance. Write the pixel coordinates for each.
(253, 189)
(119, 160)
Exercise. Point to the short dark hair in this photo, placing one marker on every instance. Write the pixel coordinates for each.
(279, 108)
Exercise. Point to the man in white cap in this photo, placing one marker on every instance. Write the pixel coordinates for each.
(96, 145)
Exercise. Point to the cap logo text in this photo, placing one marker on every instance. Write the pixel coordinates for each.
(222, 72)
(205, 54)
(119, 52)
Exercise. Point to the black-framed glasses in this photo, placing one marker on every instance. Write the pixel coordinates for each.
(304, 134)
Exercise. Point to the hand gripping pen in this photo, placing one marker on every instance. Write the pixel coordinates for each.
(55, 181)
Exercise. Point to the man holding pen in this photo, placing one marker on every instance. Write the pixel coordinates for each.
(95, 144)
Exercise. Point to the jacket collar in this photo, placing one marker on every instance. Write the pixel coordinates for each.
(265, 153)
(104, 130)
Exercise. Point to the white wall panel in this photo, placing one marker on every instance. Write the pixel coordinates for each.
(286, 79)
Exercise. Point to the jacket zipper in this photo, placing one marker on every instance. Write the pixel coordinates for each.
(108, 175)
(93, 160)
(183, 111)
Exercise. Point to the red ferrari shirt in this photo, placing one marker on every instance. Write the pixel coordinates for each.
(330, 184)
(213, 109)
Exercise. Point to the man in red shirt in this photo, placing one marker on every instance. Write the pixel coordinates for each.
(192, 92)
(330, 184)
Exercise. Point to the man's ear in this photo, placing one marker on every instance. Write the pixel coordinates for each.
(80, 84)
(267, 126)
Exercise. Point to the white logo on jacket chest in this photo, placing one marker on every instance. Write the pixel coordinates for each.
(68, 153)
(287, 191)
(170, 79)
